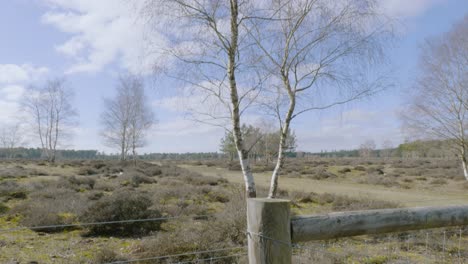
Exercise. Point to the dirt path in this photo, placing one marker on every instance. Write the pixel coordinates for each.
(411, 197)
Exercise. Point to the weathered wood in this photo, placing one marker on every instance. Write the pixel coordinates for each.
(269, 232)
(345, 224)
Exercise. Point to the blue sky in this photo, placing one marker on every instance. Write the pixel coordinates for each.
(90, 42)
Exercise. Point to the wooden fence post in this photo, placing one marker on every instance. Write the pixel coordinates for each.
(269, 231)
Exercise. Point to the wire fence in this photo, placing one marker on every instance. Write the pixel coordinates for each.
(443, 245)
(129, 221)
(196, 253)
(448, 245)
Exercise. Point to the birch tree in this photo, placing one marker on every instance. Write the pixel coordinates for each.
(439, 106)
(210, 54)
(11, 137)
(367, 149)
(320, 54)
(51, 115)
(232, 49)
(127, 117)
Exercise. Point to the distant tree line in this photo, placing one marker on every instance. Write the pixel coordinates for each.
(38, 153)
(414, 149)
(260, 144)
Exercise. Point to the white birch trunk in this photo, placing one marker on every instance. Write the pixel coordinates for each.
(465, 169)
(243, 154)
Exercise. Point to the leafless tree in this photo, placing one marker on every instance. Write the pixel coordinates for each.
(439, 108)
(387, 149)
(366, 149)
(211, 55)
(127, 117)
(320, 54)
(11, 137)
(233, 48)
(50, 112)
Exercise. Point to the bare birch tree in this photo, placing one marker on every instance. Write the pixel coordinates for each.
(439, 108)
(367, 149)
(320, 54)
(210, 51)
(11, 137)
(51, 114)
(233, 47)
(127, 117)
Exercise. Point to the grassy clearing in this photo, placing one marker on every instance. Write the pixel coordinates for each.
(418, 183)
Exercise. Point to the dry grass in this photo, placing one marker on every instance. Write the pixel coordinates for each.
(71, 191)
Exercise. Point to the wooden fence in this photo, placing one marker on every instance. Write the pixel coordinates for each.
(272, 231)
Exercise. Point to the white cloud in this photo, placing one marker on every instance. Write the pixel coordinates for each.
(11, 92)
(405, 8)
(13, 73)
(9, 106)
(102, 32)
(13, 78)
(348, 130)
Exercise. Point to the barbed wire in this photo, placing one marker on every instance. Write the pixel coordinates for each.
(101, 223)
(176, 255)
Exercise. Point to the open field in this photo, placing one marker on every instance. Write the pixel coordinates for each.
(451, 193)
(200, 207)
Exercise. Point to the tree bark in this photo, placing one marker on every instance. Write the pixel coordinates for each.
(243, 154)
(283, 137)
(464, 163)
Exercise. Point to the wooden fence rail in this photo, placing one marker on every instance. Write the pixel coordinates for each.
(271, 230)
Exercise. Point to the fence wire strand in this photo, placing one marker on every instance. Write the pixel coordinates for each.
(180, 255)
(101, 223)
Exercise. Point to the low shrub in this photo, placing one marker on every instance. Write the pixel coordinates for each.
(153, 171)
(438, 182)
(217, 196)
(360, 168)
(51, 206)
(87, 171)
(38, 214)
(82, 181)
(376, 179)
(122, 206)
(344, 170)
(234, 166)
(141, 179)
(344, 203)
(94, 196)
(3, 208)
(197, 179)
(12, 190)
(107, 256)
(321, 174)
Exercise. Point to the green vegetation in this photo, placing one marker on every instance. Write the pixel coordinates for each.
(204, 202)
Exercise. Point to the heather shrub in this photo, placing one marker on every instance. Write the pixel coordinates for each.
(122, 206)
(3, 208)
(12, 190)
(438, 182)
(87, 171)
(107, 256)
(51, 206)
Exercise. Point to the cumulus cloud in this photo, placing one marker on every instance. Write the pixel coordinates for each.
(105, 32)
(405, 8)
(13, 78)
(102, 32)
(13, 73)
